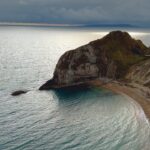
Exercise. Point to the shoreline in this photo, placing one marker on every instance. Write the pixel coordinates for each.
(136, 92)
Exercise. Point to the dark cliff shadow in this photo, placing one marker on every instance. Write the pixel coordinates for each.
(71, 93)
(80, 94)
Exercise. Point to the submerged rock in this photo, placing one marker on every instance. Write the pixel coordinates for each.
(109, 57)
(17, 93)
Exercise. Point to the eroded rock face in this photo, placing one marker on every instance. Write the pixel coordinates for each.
(140, 73)
(109, 57)
(80, 64)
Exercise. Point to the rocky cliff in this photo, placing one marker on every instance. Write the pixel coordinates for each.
(109, 57)
(140, 73)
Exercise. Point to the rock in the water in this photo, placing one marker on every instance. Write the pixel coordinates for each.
(109, 57)
(16, 93)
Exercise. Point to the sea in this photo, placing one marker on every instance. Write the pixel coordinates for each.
(70, 119)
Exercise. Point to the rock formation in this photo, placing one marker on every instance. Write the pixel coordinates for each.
(17, 93)
(140, 73)
(109, 57)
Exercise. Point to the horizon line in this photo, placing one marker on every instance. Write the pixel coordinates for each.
(70, 25)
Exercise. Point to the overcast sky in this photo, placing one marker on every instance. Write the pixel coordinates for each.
(76, 11)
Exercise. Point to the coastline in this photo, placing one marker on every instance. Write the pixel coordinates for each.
(138, 93)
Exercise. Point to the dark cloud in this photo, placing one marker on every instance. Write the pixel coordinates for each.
(76, 11)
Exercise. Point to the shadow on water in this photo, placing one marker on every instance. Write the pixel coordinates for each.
(71, 93)
(80, 94)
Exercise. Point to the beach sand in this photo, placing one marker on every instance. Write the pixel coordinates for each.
(138, 93)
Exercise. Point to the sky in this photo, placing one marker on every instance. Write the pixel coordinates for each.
(134, 12)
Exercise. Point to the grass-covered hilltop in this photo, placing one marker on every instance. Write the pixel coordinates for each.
(110, 57)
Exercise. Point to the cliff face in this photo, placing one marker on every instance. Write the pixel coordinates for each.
(109, 57)
(140, 73)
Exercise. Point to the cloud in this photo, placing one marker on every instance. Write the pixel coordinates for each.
(75, 11)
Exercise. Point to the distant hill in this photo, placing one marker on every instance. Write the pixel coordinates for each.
(110, 25)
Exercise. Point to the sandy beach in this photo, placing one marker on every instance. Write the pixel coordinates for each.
(138, 93)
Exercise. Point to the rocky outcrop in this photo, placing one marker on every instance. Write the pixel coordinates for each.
(109, 57)
(17, 93)
(140, 73)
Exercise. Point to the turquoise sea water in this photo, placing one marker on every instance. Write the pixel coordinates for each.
(71, 119)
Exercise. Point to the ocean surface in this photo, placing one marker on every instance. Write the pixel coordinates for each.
(72, 119)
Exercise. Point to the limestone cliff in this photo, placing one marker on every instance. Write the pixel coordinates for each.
(109, 57)
(140, 73)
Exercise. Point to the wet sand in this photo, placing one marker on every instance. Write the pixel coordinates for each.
(139, 93)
